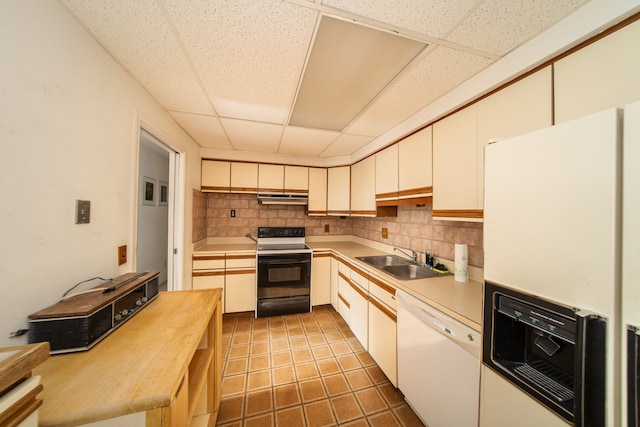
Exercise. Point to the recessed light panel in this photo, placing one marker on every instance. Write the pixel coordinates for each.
(348, 66)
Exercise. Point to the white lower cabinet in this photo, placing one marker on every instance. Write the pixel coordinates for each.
(334, 282)
(359, 321)
(383, 336)
(208, 272)
(344, 296)
(240, 290)
(321, 278)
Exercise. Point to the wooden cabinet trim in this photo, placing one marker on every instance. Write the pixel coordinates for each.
(392, 194)
(370, 213)
(415, 191)
(208, 273)
(208, 257)
(344, 300)
(462, 213)
(346, 279)
(215, 188)
(384, 309)
(244, 256)
(382, 285)
(323, 213)
(321, 254)
(357, 288)
(292, 191)
(245, 271)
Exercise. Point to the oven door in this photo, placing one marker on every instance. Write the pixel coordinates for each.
(284, 275)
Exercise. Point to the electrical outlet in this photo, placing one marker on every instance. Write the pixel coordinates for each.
(385, 232)
(122, 254)
(83, 211)
(326, 228)
(233, 213)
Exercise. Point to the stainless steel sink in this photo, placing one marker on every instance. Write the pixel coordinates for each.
(410, 271)
(384, 260)
(400, 268)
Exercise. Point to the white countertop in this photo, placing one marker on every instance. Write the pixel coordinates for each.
(461, 301)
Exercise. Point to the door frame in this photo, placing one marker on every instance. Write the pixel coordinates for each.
(175, 229)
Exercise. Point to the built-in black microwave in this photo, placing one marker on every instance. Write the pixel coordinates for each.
(554, 353)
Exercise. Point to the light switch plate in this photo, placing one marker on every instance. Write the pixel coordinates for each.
(122, 254)
(83, 211)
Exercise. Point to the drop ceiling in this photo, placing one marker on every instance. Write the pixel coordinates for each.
(230, 71)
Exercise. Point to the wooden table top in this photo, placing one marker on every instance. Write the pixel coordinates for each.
(136, 368)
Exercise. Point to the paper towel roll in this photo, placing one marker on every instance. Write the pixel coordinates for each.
(461, 263)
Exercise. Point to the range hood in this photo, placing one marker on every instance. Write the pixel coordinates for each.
(283, 199)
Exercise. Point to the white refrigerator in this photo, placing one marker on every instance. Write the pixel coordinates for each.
(630, 266)
(552, 228)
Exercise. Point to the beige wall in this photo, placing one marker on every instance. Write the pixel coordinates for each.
(413, 228)
(69, 122)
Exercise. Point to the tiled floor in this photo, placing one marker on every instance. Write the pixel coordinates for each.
(303, 370)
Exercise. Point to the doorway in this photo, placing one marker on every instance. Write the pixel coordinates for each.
(156, 225)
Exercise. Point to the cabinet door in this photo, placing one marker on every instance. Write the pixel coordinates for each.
(240, 287)
(270, 179)
(415, 176)
(599, 76)
(334, 283)
(383, 338)
(244, 178)
(359, 316)
(363, 197)
(387, 173)
(296, 179)
(215, 176)
(207, 279)
(344, 297)
(320, 278)
(338, 191)
(455, 166)
(317, 192)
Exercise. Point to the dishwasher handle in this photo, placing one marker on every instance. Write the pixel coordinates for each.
(457, 332)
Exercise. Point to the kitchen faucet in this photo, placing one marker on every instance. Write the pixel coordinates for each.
(413, 256)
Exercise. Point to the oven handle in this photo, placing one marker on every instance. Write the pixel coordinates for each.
(282, 261)
(590, 365)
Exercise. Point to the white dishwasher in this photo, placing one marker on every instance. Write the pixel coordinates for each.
(438, 364)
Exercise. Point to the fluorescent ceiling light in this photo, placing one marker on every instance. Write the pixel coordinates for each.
(349, 65)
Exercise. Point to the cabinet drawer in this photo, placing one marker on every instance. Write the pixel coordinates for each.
(241, 261)
(208, 262)
(383, 291)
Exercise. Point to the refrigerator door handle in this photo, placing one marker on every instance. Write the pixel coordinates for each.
(590, 365)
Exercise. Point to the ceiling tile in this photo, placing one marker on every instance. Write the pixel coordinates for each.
(305, 141)
(433, 18)
(138, 36)
(436, 74)
(248, 53)
(499, 26)
(253, 136)
(206, 130)
(346, 144)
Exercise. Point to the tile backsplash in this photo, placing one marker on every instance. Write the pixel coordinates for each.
(413, 228)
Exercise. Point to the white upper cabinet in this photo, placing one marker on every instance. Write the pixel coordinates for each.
(601, 75)
(455, 164)
(215, 176)
(459, 141)
(387, 173)
(317, 192)
(296, 179)
(338, 190)
(244, 177)
(415, 165)
(363, 187)
(270, 178)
